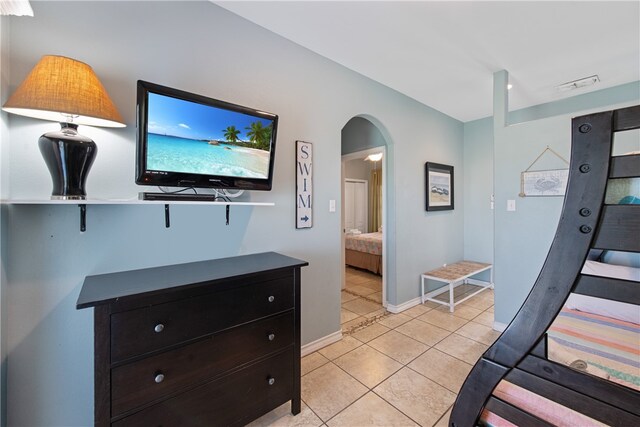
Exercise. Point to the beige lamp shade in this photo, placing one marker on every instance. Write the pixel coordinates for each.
(64, 90)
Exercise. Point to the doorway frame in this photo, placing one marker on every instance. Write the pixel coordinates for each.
(355, 156)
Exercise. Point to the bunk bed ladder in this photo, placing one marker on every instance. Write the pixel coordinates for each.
(519, 355)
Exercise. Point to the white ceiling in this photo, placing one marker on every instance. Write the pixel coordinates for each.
(443, 54)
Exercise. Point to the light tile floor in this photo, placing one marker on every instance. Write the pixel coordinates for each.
(390, 369)
(361, 298)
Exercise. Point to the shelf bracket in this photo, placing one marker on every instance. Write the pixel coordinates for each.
(83, 218)
(167, 216)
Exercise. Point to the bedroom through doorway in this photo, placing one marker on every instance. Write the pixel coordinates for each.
(363, 297)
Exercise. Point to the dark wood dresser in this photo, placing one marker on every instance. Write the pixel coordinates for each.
(200, 344)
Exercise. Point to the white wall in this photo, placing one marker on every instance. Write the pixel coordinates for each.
(201, 48)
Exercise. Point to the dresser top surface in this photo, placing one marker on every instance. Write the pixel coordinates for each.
(106, 288)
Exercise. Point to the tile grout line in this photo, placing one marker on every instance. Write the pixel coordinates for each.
(312, 411)
(434, 381)
(404, 365)
(423, 321)
(365, 324)
(317, 367)
(364, 297)
(372, 389)
(438, 342)
(445, 413)
(399, 361)
(398, 409)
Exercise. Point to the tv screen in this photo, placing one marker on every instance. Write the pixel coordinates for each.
(189, 140)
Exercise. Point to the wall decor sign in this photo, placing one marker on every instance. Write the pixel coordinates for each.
(544, 183)
(304, 184)
(439, 186)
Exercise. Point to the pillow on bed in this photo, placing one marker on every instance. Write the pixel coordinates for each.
(603, 307)
(629, 200)
(595, 268)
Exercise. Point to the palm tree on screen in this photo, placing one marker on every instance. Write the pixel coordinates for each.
(231, 133)
(259, 135)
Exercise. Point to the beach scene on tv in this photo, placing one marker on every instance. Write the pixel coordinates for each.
(188, 137)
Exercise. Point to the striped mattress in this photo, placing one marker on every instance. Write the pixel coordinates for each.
(599, 345)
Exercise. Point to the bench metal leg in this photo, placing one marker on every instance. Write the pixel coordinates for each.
(451, 303)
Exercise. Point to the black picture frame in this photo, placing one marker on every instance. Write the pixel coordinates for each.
(439, 188)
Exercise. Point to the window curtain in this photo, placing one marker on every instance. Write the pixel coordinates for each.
(375, 201)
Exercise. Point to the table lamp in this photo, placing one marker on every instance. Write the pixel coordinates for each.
(66, 91)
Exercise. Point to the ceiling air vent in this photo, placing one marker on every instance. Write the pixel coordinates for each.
(577, 84)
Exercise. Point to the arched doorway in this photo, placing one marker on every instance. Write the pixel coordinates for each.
(365, 178)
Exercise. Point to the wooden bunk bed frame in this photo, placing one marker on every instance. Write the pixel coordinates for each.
(519, 356)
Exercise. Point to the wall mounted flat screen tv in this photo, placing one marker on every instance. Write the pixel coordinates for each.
(189, 140)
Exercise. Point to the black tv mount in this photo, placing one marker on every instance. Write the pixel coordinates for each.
(180, 197)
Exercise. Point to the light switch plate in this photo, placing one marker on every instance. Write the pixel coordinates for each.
(511, 205)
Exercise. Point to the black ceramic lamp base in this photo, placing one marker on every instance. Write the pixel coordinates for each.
(69, 157)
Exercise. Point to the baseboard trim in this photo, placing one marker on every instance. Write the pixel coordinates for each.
(320, 343)
(395, 309)
(483, 283)
(499, 326)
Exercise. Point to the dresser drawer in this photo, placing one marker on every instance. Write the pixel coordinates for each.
(229, 401)
(140, 331)
(138, 383)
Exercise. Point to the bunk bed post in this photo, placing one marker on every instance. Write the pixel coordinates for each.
(591, 146)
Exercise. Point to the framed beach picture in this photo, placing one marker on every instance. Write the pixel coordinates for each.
(439, 186)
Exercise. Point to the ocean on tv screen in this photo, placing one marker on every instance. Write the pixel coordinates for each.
(175, 154)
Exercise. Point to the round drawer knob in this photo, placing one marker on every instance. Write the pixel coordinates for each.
(271, 298)
(272, 337)
(159, 378)
(271, 381)
(159, 328)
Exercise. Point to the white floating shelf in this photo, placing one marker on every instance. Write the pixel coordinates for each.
(84, 203)
(127, 202)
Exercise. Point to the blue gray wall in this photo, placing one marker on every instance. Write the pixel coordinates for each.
(360, 134)
(478, 188)
(522, 238)
(201, 48)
